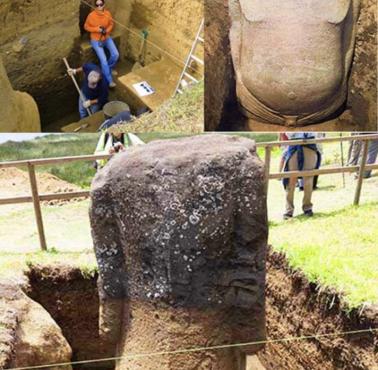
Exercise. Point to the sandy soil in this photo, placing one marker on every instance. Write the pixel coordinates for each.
(15, 182)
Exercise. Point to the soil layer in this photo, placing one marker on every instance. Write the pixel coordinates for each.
(295, 308)
(71, 298)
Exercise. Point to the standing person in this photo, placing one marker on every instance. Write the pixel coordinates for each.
(372, 156)
(300, 158)
(94, 88)
(114, 142)
(282, 137)
(355, 153)
(100, 25)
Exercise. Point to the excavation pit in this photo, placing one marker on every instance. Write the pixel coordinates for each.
(33, 51)
(294, 308)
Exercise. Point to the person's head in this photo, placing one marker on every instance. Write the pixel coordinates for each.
(100, 4)
(94, 78)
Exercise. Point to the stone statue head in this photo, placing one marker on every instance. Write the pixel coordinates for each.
(292, 57)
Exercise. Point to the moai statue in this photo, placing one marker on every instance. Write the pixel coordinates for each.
(180, 234)
(292, 58)
(28, 335)
(19, 111)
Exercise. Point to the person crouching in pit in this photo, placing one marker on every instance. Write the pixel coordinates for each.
(100, 24)
(94, 88)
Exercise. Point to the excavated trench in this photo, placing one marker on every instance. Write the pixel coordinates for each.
(32, 50)
(294, 308)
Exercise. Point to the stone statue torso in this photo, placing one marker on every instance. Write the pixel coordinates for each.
(292, 57)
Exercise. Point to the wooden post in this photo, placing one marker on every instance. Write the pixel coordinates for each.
(268, 155)
(37, 206)
(361, 173)
(342, 157)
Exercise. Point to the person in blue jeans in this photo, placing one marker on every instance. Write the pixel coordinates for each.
(94, 88)
(100, 24)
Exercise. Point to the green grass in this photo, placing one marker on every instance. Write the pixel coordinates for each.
(336, 249)
(13, 264)
(79, 173)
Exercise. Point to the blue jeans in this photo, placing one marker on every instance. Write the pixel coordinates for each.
(106, 65)
(83, 112)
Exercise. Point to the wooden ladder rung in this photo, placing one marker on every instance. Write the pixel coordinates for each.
(198, 60)
(190, 77)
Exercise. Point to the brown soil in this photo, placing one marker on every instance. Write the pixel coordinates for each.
(15, 182)
(72, 300)
(294, 308)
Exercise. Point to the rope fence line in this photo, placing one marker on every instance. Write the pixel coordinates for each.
(202, 349)
(134, 33)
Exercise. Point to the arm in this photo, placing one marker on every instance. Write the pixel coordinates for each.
(110, 27)
(110, 259)
(89, 26)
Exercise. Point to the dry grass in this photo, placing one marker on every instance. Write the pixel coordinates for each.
(182, 114)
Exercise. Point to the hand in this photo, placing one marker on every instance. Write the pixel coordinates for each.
(87, 104)
(103, 30)
(71, 71)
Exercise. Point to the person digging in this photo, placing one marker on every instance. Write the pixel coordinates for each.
(94, 89)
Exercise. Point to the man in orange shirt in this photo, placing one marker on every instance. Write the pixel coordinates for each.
(100, 25)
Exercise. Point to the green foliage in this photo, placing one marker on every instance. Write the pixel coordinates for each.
(50, 146)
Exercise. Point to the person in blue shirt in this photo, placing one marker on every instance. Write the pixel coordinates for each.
(94, 88)
(300, 158)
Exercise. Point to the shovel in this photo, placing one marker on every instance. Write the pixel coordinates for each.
(140, 63)
(82, 97)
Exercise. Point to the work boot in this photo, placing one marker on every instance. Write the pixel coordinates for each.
(112, 85)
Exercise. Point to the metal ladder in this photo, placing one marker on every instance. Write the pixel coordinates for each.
(192, 57)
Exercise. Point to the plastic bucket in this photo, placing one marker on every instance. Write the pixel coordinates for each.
(115, 107)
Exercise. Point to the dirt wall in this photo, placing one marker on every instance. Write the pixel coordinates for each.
(219, 74)
(35, 36)
(172, 25)
(363, 81)
(298, 308)
(71, 298)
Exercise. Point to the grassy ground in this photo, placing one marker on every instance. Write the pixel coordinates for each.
(335, 248)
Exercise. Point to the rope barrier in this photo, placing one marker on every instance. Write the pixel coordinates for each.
(141, 37)
(201, 349)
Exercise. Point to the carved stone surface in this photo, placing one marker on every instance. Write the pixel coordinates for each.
(180, 231)
(19, 112)
(28, 334)
(292, 58)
